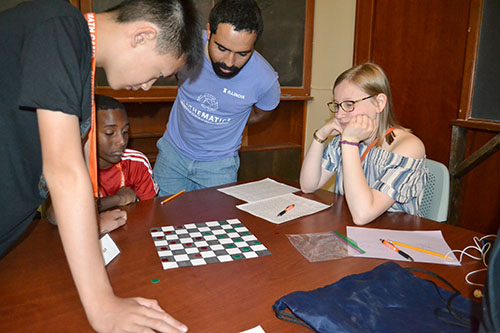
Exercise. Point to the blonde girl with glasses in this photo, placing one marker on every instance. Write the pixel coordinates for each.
(379, 165)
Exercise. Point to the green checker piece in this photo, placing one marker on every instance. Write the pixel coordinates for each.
(223, 223)
(245, 249)
(207, 233)
(237, 256)
(222, 236)
(237, 240)
(238, 225)
(230, 246)
(257, 242)
(245, 233)
(231, 230)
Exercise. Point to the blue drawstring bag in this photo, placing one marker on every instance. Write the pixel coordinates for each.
(388, 298)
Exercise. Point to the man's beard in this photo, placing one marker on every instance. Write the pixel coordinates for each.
(233, 70)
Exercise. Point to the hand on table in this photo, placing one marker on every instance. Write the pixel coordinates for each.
(133, 315)
(111, 220)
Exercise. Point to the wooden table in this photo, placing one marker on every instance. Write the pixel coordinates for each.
(38, 294)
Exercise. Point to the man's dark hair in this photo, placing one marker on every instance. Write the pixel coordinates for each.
(107, 103)
(242, 14)
(177, 20)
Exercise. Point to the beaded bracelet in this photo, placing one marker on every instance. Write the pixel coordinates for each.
(349, 143)
(315, 137)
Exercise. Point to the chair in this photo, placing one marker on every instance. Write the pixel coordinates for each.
(434, 205)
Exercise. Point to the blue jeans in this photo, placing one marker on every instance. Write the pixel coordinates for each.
(174, 172)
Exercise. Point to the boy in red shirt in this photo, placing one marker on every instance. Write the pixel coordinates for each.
(125, 175)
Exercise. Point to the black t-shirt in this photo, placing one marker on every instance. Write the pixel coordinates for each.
(45, 62)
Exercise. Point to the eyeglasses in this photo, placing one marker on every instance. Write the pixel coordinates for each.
(347, 106)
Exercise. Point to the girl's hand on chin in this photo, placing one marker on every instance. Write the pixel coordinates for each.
(359, 129)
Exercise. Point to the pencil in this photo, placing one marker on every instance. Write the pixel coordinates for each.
(421, 250)
(172, 197)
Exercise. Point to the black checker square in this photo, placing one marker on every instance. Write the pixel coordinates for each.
(218, 227)
(178, 252)
(220, 252)
(263, 253)
(186, 263)
(167, 258)
(211, 260)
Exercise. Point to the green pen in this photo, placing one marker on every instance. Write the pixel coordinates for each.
(349, 242)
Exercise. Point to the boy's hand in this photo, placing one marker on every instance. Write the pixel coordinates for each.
(133, 315)
(126, 195)
(111, 220)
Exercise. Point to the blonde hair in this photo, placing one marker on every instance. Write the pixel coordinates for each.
(371, 79)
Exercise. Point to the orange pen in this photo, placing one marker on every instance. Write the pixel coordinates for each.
(287, 209)
(395, 249)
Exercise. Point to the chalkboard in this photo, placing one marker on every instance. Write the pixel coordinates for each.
(282, 43)
(486, 93)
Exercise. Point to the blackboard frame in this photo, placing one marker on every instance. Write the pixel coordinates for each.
(466, 116)
(168, 93)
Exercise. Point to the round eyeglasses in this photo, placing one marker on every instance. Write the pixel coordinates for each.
(347, 106)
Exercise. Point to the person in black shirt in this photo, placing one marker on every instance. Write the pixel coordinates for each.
(45, 106)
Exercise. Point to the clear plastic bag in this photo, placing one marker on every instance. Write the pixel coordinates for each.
(319, 246)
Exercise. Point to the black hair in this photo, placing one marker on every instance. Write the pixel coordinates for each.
(177, 20)
(107, 103)
(242, 14)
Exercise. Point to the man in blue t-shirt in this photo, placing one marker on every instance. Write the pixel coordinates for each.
(233, 87)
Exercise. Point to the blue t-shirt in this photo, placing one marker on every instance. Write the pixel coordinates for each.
(210, 113)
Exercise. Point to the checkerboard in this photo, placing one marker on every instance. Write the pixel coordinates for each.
(204, 243)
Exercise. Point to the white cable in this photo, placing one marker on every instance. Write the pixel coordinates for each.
(474, 272)
(464, 252)
(483, 250)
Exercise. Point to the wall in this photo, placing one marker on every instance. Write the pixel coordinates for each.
(333, 45)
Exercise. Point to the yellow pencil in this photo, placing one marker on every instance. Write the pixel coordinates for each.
(421, 250)
(172, 197)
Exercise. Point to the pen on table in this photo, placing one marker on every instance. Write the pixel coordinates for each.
(287, 209)
(395, 249)
(172, 197)
(349, 241)
(421, 250)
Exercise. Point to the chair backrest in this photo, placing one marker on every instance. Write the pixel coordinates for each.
(434, 205)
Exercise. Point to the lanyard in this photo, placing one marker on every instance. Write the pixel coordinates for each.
(91, 21)
(375, 142)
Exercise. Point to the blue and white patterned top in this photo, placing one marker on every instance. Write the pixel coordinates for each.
(401, 178)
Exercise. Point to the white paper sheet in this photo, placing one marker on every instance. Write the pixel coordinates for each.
(256, 329)
(268, 209)
(258, 190)
(368, 239)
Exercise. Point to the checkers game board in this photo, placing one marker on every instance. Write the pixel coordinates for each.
(197, 244)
